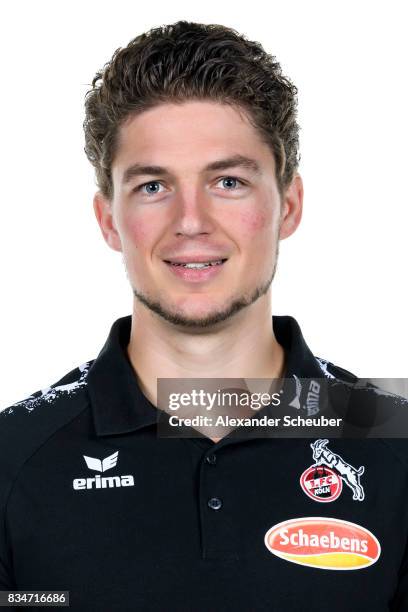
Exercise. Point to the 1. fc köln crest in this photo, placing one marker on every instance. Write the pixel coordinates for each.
(323, 481)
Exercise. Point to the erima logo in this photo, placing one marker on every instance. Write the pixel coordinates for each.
(102, 482)
(105, 464)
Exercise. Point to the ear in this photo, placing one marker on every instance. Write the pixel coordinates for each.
(292, 206)
(104, 214)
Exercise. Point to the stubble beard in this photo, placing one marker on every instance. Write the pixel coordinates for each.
(211, 318)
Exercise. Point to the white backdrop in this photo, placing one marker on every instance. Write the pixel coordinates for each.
(342, 274)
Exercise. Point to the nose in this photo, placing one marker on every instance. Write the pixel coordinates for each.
(193, 212)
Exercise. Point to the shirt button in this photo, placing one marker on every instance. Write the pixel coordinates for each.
(214, 503)
(211, 459)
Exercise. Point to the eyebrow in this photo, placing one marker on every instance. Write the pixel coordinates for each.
(236, 161)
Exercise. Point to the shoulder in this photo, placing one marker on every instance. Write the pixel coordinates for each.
(30, 422)
(377, 407)
(386, 391)
(66, 388)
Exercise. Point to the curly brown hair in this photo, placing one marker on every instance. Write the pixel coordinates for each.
(186, 61)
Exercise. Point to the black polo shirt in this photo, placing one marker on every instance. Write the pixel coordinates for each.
(93, 502)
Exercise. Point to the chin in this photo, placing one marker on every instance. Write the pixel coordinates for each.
(192, 314)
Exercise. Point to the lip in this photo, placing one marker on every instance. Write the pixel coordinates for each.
(195, 258)
(196, 275)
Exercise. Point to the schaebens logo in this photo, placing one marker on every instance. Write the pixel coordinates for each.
(102, 482)
(323, 543)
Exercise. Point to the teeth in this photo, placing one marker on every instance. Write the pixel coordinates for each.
(199, 265)
(196, 265)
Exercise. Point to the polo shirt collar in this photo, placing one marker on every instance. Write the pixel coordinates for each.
(117, 402)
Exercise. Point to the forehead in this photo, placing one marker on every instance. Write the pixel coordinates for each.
(192, 132)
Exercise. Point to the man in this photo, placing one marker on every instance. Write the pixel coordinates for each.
(192, 132)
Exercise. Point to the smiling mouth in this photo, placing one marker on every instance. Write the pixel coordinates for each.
(196, 265)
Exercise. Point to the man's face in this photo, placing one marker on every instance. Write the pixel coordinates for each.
(189, 209)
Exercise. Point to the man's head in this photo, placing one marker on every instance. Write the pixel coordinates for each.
(205, 119)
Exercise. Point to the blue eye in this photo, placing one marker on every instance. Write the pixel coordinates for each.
(234, 179)
(140, 187)
(230, 178)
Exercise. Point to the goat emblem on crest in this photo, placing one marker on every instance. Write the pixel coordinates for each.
(349, 474)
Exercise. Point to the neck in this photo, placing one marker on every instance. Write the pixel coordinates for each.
(244, 346)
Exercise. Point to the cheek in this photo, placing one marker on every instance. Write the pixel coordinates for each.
(136, 241)
(137, 233)
(254, 223)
